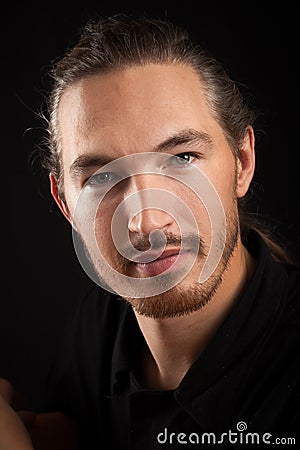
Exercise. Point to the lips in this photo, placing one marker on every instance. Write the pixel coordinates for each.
(163, 263)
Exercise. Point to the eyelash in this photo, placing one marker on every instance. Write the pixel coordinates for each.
(92, 179)
(177, 157)
(191, 154)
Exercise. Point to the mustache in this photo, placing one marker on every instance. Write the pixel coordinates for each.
(166, 240)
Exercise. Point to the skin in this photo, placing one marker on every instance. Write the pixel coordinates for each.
(120, 114)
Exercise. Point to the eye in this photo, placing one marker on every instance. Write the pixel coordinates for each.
(182, 159)
(101, 179)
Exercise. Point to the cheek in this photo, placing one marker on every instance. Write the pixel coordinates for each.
(102, 227)
(199, 207)
(73, 196)
(202, 212)
(218, 198)
(223, 178)
(91, 217)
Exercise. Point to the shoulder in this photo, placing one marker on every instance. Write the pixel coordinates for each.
(83, 357)
(280, 354)
(91, 328)
(97, 315)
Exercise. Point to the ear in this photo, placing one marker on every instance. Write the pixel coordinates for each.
(60, 203)
(246, 163)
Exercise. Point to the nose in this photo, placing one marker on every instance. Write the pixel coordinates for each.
(149, 218)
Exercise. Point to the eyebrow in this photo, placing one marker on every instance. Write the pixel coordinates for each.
(188, 136)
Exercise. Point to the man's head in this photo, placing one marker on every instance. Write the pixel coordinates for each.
(120, 42)
(140, 86)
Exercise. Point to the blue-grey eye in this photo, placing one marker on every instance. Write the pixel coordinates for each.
(101, 179)
(184, 158)
(181, 159)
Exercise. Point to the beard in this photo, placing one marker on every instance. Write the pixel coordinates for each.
(182, 299)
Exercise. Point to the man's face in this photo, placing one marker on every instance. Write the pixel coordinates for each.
(116, 118)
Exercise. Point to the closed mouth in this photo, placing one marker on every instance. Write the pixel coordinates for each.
(163, 263)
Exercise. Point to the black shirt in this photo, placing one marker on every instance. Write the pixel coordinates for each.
(243, 388)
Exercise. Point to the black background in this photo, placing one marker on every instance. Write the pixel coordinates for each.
(257, 45)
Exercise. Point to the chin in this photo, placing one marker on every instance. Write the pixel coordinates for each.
(179, 301)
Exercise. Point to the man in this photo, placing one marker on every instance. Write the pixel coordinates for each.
(189, 332)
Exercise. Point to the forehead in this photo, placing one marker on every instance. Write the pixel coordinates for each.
(132, 110)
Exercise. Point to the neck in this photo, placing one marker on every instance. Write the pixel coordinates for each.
(173, 344)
